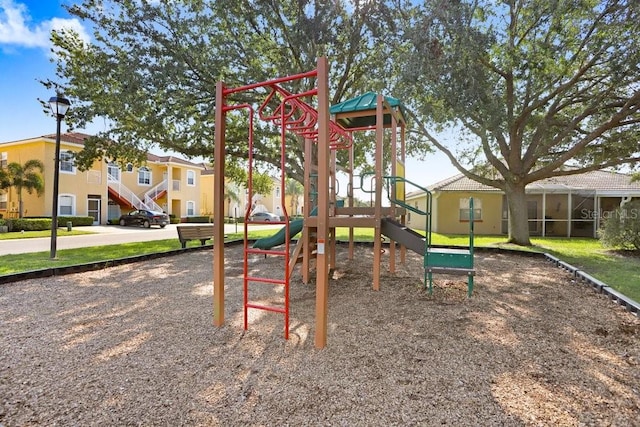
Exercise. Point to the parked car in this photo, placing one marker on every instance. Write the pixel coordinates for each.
(264, 217)
(144, 218)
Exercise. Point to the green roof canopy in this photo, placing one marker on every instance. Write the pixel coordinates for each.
(366, 104)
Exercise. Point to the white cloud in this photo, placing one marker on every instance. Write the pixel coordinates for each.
(16, 28)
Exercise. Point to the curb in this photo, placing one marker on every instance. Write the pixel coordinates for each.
(598, 285)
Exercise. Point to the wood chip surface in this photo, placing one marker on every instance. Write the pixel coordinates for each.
(135, 345)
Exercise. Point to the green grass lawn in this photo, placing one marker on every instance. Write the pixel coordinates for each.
(618, 270)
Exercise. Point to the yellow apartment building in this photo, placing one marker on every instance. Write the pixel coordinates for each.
(564, 206)
(105, 191)
(232, 208)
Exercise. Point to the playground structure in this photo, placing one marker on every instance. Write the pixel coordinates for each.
(323, 136)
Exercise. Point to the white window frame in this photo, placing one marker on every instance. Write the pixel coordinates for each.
(464, 209)
(129, 168)
(191, 208)
(147, 173)
(72, 206)
(66, 160)
(191, 178)
(4, 201)
(4, 157)
(111, 166)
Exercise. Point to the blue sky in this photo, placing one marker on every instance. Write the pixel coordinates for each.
(25, 58)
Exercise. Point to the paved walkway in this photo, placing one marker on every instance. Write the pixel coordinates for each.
(104, 235)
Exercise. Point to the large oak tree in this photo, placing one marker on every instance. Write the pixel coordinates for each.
(531, 89)
(151, 69)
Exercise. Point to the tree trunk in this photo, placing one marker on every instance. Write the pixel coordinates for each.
(518, 215)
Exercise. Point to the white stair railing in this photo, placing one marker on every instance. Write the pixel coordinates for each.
(156, 191)
(152, 205)
(125, 193)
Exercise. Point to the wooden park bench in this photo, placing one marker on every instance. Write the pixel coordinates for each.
(194, 232)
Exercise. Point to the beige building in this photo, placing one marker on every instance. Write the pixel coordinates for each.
(106, 190)
(274, 202)
(572, 205)
(233, 206)
(271, 202)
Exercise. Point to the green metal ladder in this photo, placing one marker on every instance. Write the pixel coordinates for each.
(458, 261)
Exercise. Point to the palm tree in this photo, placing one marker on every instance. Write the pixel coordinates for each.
(23, 177)
(293, 189)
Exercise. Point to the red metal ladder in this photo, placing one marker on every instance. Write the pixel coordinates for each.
(260, 280)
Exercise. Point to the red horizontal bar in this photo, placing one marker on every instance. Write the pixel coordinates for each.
(266, 308)
(312, 73)
(265, 280)
(266, 251)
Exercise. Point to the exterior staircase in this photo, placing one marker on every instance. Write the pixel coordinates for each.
(124, 195)
(156, 192)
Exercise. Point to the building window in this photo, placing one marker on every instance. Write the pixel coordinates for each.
(114, 172)
(144, 176)
(129, 167)
(191, 178)
(3, 201)
(3, 160)
(66, 204)
(277, 191)
(191, 208)
(67, 164)
(465, 211)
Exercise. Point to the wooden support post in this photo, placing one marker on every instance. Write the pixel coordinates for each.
(322, 270)
(393, 189)
(218, 207)
(333, 180)
(350, 195)
(377, 238)
(306, 230)
(403, 219)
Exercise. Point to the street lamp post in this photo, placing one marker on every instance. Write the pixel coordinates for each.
(59, 107)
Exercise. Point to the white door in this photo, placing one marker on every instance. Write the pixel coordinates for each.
(93, 209)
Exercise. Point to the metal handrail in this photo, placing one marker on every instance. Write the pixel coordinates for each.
(124, 192)
(153, 193)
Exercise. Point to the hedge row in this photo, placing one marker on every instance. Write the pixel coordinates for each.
(44, 223)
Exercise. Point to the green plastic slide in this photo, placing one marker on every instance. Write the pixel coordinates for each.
(279, 238)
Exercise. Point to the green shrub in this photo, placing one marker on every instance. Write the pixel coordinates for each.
(76, 221)
(29, 224)
(622, 227)
(44, 223)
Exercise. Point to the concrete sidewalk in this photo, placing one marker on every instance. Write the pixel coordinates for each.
(105, 235)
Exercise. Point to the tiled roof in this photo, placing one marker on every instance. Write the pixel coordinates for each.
(594, 180)
(171, 159)
(460, 183)
(79, 138)
(71, 137)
